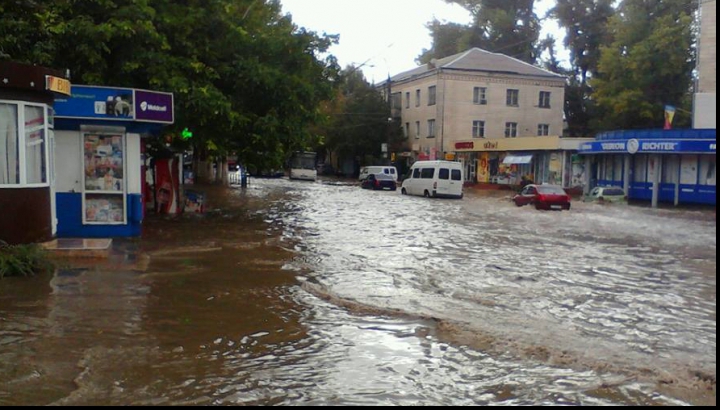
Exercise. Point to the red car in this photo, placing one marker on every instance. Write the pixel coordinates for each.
(549, 197)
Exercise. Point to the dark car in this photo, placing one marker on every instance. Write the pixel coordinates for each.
(379, 182)
(549, 197)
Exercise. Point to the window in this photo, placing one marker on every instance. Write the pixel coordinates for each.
(407, 100)
(35, 164)
(511, 130)
(23, 144)
(478, 129)
(417, 98)
(544, 99)
(456, 175)
(417, 129)
(543, 130)
(9, 147)
(407, 130)
(444, 174)
(480, 96)
(416, 173)
(431, 129)
(513, 97)
(428, 173)
(432, 95)
(396, 101)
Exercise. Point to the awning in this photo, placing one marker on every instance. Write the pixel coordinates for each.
(518, 159)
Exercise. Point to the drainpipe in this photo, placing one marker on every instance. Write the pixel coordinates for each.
(442, 115)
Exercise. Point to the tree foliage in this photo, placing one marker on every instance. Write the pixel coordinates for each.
(648, 65)
(586, 26)
(509, 27)
(358, 120)
(245, 78)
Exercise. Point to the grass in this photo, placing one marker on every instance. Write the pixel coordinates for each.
(23, 260)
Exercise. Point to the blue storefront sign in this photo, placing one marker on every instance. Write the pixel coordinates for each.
(650, 146)
(116, 104)
(98, 103)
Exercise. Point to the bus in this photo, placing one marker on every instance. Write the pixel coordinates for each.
(303, 166)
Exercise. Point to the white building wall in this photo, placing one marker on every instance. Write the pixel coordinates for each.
(68, 162)
(455, 105)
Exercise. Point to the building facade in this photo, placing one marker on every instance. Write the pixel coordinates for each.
(705, 97)
(501, 117)
(677, 166)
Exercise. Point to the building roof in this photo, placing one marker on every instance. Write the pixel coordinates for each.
(477, 59)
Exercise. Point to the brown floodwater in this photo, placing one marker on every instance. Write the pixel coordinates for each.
(292, 293)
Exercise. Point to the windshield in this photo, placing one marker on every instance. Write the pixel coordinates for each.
(551, 190)
(304, 160)
(614, 192)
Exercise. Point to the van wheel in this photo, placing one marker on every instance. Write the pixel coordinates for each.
(427, 194)
(404, 192)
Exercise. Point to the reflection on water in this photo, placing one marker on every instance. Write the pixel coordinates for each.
(324, 294)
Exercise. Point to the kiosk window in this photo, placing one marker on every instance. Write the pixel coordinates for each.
(9, 161)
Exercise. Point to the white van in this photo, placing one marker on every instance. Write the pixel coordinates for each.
(365, 172)
(435, 179)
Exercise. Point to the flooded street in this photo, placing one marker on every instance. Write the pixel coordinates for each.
(294, 293)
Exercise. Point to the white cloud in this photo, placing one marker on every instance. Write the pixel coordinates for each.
(387, 34)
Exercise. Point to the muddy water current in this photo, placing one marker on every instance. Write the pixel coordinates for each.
(292, 293)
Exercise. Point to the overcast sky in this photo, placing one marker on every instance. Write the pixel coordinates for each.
(387, 34)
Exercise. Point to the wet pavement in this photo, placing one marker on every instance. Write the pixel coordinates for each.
(293, 293)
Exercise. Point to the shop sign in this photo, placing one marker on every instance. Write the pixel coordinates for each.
(153, 106)
(96, 103)
(635, 146)
(491, 145)
(464, 145)
(58, 85)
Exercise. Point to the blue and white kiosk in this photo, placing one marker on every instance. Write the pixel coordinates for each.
(99, 158)
(658, 165)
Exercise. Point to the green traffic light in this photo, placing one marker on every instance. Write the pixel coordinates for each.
(186, 134)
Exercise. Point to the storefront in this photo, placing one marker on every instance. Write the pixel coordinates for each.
(506, 161)
(661, 166)
(101, 173)
(26, 146)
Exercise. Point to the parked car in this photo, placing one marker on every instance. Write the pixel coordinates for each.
(606, 195)
(365, 172)
(436, 179)
(549, 197)
(379, 182)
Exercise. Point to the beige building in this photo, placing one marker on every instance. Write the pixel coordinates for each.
(705, 97)
(501, 117)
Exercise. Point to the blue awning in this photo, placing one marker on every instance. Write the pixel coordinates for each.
(517, 159)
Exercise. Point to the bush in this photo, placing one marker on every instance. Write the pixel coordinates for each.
(23, 260)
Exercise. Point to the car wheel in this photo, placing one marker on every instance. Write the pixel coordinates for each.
(518, 204)
(538, 207)
(404, 191)
(567, 207)
(427, 194)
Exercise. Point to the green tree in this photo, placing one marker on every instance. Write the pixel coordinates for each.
(648, 65)
(448, 39)
(358, 120)
(586, 26)
(245, 78)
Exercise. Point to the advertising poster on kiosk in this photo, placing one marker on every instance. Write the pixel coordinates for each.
(104, 178)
